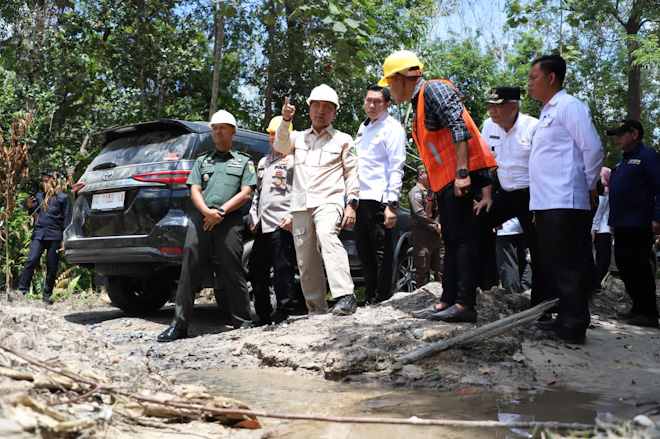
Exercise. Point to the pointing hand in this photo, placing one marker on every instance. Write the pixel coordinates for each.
(288, 110)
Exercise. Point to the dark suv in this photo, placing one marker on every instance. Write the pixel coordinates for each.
(131, 210)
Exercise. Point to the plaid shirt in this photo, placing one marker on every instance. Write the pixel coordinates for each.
(443, 108)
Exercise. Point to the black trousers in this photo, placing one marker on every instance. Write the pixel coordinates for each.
(375, 250)
(459, 279)
(52, 262)
(603, 247)
(225, 243)
(507, 205)
(634, 259)
(561, 245)
(273, 249)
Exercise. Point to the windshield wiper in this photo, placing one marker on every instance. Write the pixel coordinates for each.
(105, 165)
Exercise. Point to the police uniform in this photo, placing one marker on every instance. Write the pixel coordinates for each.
(273, 246)
(46, 235)
(221, 176)
(326, 175)
(428, 248)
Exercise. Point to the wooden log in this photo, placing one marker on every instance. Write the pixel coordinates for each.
(481, 333)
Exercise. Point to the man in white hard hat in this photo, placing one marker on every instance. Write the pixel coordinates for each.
(381, 147)
(220, 182)
(270, 220)
(326, 175)
(442, 130)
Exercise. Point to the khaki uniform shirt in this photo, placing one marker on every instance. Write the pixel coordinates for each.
(419, 220)
(272, 199)
(326, 166)
(221, 175)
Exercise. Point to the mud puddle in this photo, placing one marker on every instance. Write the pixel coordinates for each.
(279, 392)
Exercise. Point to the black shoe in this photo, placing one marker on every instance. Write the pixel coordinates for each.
(48, 300)
(454, 315)
(546, 317)
(645, 321)
(345, 306)
(425, 313)
(559, 334)
(172, 333)
(545, 325)
(280, 316)
(626, 315)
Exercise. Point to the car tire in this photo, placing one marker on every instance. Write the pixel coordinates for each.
(138, 296)
(404, 276)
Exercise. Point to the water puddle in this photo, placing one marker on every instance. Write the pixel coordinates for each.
(276, 391)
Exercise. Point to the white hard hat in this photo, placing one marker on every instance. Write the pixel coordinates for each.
(223, 116)
(324, 93)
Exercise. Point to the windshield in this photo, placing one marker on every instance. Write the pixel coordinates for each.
(143, 148)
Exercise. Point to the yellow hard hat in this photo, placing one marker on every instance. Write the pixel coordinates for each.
(275, 123)
(400, 61)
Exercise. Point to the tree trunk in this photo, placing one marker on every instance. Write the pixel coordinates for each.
(138, 45)
(217, 57)
(161, 97)
(635, 92)
(268, 101)
(633, 25)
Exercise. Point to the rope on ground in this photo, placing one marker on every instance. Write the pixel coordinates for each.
(481, 333)
(98, 387)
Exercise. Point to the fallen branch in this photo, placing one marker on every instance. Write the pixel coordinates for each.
(77, 398)
(339, 419)
(481, 333)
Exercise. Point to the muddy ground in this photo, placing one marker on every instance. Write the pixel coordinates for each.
(95, 340)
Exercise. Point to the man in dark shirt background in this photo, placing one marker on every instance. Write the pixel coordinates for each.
(635, 219)
(50, 220)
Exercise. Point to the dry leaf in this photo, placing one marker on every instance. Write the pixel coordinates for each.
(251, 424)
(464, 391)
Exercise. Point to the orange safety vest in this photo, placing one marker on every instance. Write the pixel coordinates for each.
(436, 148)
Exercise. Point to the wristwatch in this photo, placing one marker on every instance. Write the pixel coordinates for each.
(221, 210)
(462, 173)
(354, 202)
(393, 204)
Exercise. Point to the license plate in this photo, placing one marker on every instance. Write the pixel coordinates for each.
(110, 201)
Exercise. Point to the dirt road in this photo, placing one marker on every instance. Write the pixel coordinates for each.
(120, 349)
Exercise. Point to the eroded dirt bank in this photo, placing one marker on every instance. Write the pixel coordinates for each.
(119, 349)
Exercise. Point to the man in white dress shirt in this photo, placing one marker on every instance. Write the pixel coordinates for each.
(509, 135)
(381, 148)
(564, 167)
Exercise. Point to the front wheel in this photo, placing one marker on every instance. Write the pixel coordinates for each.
(405, 273)
(136, 295)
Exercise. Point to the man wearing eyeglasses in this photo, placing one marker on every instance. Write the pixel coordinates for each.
(381, 148)
(509, 134)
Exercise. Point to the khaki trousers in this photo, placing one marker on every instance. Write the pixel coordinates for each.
(316, 238)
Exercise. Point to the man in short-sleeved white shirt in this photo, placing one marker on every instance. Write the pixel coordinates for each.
(564, 167)
(381, 149)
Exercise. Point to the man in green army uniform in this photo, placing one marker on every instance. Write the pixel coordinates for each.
(221, 182)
